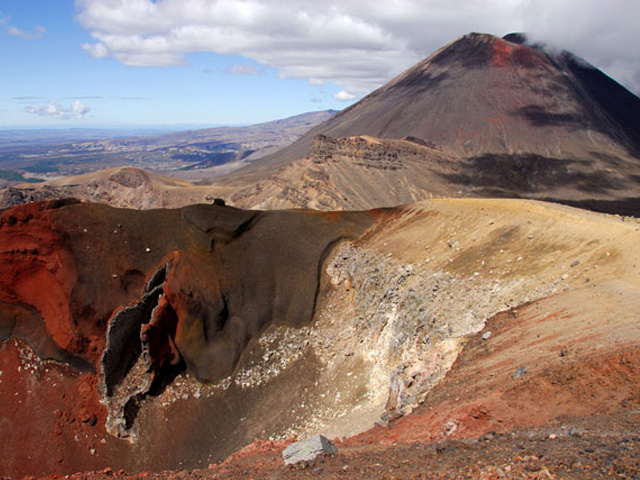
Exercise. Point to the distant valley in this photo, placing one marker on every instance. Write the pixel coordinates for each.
(45, 155)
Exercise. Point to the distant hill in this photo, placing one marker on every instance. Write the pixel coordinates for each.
(193, 150)
(124, 187)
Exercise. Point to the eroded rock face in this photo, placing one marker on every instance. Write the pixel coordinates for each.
(138, 297)
(38, 275)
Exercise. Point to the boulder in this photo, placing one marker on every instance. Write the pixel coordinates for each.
(307, 450)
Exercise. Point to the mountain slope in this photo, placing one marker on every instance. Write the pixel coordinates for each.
(482, 94)
(522, 123)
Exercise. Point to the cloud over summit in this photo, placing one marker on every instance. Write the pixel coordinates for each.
(352, 43)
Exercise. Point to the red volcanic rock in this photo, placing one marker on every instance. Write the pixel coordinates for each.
(124, 301)
(37, 269)
(507, 54)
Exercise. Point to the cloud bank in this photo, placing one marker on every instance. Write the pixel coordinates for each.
(56, 110)
(353, 43)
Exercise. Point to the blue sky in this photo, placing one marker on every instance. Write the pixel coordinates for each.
(69, 63)
(53, 66)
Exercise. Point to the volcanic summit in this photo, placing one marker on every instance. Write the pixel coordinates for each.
(481, 117)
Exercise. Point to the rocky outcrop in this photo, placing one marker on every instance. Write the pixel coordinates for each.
(371, 153)
(141, 297)
(360, 150)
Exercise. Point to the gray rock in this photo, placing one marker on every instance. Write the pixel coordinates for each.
(307, 450)
(521, 371)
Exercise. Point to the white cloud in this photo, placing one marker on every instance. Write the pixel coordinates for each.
(56, 110)
(352, 43)
(96, 50)
(344, 96)
(604, 33)
(243, 69)
(15, 31)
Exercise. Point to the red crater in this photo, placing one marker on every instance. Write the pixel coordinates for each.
(37, 269)
(507, 54)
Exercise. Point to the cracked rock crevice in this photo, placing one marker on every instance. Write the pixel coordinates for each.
(140, 358)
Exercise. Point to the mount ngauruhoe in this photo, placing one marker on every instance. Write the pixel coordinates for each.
(483, 116)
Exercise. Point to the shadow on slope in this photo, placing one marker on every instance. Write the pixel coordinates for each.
(517, 174)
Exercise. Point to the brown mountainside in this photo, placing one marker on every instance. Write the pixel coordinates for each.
(515, 121)
(481, 94)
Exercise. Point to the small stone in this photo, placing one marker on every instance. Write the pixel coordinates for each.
(486, 335)
(575, 432)
(115, 275)
(148, 249)
(381, 423)
(307, 450)
(575, 263)
(520, 371)
(553, 436)
(450, 427)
